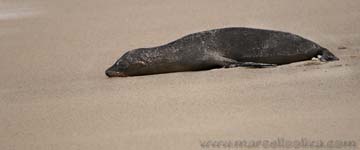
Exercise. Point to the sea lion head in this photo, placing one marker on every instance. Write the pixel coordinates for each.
(118, 69)
(127, 65)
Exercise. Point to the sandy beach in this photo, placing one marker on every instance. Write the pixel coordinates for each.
(54, 93)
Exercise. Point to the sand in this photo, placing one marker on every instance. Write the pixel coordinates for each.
(54, 93)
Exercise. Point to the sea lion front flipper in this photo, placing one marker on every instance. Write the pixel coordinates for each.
(231, 63)
(253, 65)
(223, 61)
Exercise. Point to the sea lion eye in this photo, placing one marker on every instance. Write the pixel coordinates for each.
(118, 62)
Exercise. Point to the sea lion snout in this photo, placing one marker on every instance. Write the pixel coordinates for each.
(119, 69)
(111, 73)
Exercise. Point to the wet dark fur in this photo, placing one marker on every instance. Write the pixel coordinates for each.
(227, 47)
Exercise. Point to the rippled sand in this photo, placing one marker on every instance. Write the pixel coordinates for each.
(54, 93)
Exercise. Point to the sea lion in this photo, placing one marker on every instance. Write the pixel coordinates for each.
(217, 48)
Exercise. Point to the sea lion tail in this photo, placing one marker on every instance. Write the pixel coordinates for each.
(326, 55)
